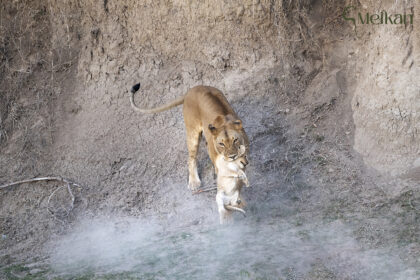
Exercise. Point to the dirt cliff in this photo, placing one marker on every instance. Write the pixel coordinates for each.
(331, 109)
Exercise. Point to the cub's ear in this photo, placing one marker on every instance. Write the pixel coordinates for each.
(237, 124)
(212, 129)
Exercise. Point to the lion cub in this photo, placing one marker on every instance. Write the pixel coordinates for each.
(230, 178)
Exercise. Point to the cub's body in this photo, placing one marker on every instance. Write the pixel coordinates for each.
(230, 179)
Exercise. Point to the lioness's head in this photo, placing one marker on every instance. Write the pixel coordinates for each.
(228, 137)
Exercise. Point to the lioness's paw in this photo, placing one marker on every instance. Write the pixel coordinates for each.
(193, 185)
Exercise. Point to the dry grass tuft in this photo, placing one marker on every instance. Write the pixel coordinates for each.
(32, 67)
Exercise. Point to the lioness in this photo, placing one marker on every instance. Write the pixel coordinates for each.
(206, 111)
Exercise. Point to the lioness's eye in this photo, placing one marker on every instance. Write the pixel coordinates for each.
(236, 139)
(221, 144)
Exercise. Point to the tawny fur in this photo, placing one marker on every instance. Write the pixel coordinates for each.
(206, 111)
(230, 179)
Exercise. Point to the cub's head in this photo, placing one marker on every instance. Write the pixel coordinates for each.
(228, 137)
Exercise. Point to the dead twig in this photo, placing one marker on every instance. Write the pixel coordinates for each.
(39, 179)
(68, 182)
(205, 190)
(48, 205)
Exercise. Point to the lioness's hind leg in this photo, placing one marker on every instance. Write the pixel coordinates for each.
(193, 140)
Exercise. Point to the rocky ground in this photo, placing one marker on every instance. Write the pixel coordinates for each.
(331, 110)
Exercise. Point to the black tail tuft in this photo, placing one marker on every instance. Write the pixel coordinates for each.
(135, 88)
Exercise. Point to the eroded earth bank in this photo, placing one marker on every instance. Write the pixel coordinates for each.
(331, 110)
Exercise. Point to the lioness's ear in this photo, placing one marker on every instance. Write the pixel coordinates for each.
(237, 124)
(219, 121)
(212, 129)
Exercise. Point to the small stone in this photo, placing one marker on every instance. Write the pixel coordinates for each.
(35, 271)
(240, 11)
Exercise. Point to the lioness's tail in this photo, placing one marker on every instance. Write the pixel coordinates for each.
(162, 108)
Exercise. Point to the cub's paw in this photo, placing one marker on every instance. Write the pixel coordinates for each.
(246, 182)
(243, 178)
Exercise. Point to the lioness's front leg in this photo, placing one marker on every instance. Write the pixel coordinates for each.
(193, 140)
(212, 151)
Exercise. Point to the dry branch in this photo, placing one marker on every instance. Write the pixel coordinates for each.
(39, 179)
(68, 182)
(205, 190)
